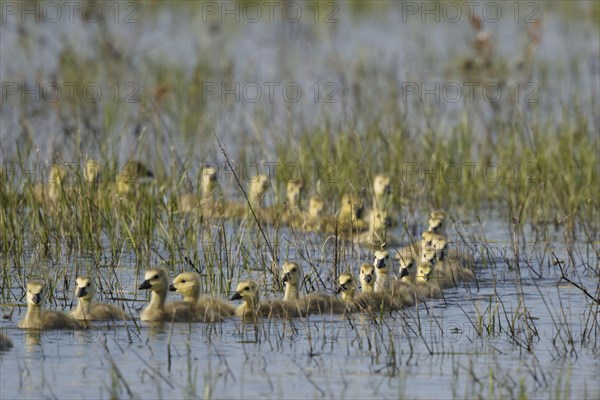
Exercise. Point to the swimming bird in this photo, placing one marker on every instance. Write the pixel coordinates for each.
(48, 194)
(381, 261)
(369, 299)
(205, 308)
(311, 303)
(315, 219)
(421, 282)
(436, 222)
(87, 311)
(131, 176)
(350, 216)
(253, 309)
(156, 280)
(37, 317)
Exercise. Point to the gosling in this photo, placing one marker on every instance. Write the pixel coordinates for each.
(253, 309)
(315, 219)
(311, 303)
(371, 300)
(37, 317)
(381, 270)
(421, 282)
(133, 172)
(203, 308)
(157, 280)
(87, 311)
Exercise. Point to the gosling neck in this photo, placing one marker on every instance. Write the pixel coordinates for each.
(34, 314)
(368, 287)
(251, 303)
(291, 292)
(157, 300)
(192, 296)
(83, 308)
(348, 295)
(381, 280)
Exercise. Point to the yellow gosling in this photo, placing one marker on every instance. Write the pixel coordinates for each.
(132, 174)
(258, 188)
(350, 216)
(86, 311)
(311, 303)
(449, 272)
(375, 301)
(428, 254)
(367, 278)
(438, 214)
(293, 211)
(315, 218)
(347, 288)
(291, 277)
(204, 308)
(37, 317)
(401, 288)
(49, 194)
(381, 261)
(91, 172)
(437, 222)
(252, 308)
(5, 342)
(157, 281)
(212, 201)
(382, 190)
(423, 284)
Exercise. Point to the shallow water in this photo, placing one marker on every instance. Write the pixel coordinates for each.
(435, 351)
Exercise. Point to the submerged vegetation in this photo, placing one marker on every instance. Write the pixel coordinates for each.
(506, 142)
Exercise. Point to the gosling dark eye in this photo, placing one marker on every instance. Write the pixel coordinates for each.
(88, 285)
(246, 288)
(156, 276)
(183, 281)
(293, 269)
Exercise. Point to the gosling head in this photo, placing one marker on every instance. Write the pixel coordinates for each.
(35, 293)
(316, 207)
(346, 286)
(247, 291)
(209, 180)
(436, 225)
(351, 207)
(91, 171)
(57, 174)
(291, 273)
(438, 214)
(187, 284)
(406, 266)
(134, 171)
(381, 260)
(85, 288)
(424, 272)
(426, 238)
(294, 187)
(382, 185)
(428, 254)
(155, 279)
(367, 275)
(440, 244)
